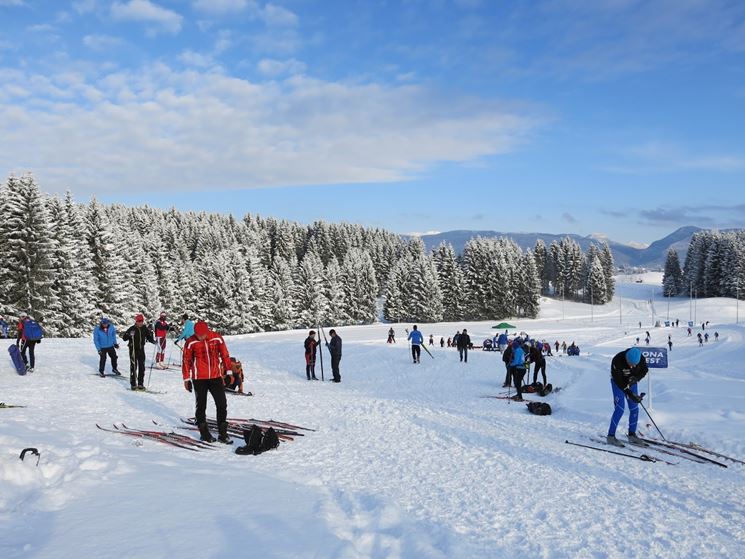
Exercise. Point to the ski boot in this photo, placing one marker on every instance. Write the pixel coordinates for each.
(612, 440)
(634, 439)
(223, 436)
(204, 433)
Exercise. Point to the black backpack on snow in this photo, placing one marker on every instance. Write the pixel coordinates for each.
(257, 441)
(539, 408)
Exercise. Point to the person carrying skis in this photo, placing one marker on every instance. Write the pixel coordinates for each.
(517, 367)
(310, 355)
(200, 369)
(391, 336)
(161, 332)
(136, 336)
(627, 368)
(464, 340)
(536, 356)
(3, 327)
(187, 329)
(416, 339)
(334, 347)
(104, 338)
(28, 334)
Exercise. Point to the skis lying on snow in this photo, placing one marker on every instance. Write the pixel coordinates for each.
(111, 375)
(3, 405)
(273, 423)
(642, 457)
(697, 448)
(635, 449)
(172, 439)
(237, 426)
(684, 452)
(511, 398)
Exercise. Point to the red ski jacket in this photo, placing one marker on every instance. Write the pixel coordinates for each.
(202, 358)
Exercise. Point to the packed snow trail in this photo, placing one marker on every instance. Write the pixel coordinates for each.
(407, 460)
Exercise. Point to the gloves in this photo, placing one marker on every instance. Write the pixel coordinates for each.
(116, 346)
(633, 380)
(38, 341)
(633, 397)
(187, 385)
(100, 352)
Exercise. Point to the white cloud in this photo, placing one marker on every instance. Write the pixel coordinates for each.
(84, 6)
(191, 58)
(277, 16)
(147, 11)
(665, 157)
(220, 7)
(273, 68)
(102, 42)
(195, 130)
(40, 28)
(12, 3)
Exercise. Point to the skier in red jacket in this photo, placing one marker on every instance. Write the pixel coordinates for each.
(201, 372)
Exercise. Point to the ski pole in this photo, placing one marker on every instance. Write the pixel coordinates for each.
(652, 420)
(152, 362)
(321, 352)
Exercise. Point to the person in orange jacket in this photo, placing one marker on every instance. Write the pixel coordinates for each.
(202, 373)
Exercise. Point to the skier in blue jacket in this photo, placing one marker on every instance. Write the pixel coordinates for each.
(416, 339)
(517, 367)
(104, 338)
(187, 329)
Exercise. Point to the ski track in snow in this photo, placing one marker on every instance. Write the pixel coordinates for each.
(407, 460)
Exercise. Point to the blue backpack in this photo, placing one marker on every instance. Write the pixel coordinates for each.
(32, 331)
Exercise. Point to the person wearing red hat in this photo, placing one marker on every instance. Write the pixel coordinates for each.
(136, 336)
(202, 373)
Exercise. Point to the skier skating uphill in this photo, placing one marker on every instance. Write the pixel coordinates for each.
(627, 368)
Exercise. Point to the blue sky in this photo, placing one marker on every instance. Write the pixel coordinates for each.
(619, 117)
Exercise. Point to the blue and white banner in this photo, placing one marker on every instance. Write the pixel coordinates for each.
(656, 357)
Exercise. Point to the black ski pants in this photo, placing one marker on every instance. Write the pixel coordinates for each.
(136, 366)
(215, 387)
(463, 351)
(416, 352)
(29, 345)
(335, 367)
(517, 377)
(111, 352)
(507, 376)
(310, 366)
(540, 366)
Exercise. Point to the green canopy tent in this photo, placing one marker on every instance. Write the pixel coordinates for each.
(503, 326)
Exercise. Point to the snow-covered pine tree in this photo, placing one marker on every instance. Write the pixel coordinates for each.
(540, 253)
(713, 267)
(529, 289)
(590, 255)
(609, 270)
(672, 279)
(451, 281)
(26, 250)
(281, 291)
(595, 288)
(360, 287)
(309, 294)
(333, 289)
(111, 276)
(394, 305)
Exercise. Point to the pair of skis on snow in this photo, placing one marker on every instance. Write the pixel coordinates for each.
(687, 451)
(285, 431)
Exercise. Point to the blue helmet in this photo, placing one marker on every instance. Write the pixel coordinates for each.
(633, 356)
(105, 321)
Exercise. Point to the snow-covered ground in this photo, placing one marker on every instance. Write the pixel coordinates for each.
(407, 460)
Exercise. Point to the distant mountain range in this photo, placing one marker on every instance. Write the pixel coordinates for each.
(652, 256)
